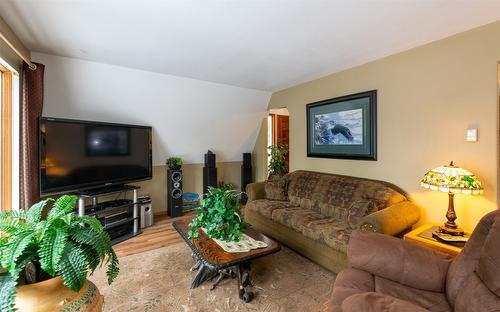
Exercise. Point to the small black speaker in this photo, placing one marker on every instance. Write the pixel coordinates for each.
(209, 172)
(174, 193)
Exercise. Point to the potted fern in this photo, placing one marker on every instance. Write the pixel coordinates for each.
(61, 248)
(219, 215)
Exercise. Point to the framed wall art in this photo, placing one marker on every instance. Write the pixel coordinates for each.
(343, 127)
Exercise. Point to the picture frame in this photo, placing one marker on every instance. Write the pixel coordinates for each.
(343, 127)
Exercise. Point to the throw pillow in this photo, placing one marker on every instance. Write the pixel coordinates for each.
(358, 210)
(276, 189)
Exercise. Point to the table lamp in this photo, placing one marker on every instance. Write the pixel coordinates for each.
(452, 180)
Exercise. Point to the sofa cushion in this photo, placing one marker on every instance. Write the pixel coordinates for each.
(358, 210)
(328, 194)
(276, 189)
(430, 300)
(330, 232)
(295, 217)
(488, 267)
(465, 263)
(266, 207)
(377, 302)
(301, 189)
(349, 282)
(475, 296)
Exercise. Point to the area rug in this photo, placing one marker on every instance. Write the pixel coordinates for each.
(159, 280)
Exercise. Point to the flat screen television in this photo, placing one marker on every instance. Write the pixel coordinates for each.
(77, 155)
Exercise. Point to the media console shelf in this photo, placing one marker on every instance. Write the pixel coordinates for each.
(120, 218)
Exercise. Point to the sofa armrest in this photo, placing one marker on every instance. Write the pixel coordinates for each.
(391, 220)
(398, 260)
(256, 191)
(377, 302)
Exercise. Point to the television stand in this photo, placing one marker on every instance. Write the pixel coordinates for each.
(120, 218)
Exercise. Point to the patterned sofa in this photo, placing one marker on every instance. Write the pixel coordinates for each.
(315, 213)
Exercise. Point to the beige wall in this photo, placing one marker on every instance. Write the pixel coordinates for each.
(6, 52)
(259, 153)
(427, 97)
(192, 181)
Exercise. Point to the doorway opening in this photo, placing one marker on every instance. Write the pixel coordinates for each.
(278, 133)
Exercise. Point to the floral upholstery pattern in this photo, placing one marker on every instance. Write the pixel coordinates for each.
(295, 217)
(325, 207)
(329, 194)
(301, 188)
(330, 232)
(358, 210)
(266, 207)
(276, 189)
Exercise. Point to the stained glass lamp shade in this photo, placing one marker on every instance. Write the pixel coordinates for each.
(452, 180)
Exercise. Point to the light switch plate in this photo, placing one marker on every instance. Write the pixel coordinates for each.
(471, 135)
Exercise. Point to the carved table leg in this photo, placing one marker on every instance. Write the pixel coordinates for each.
(244, 281)
(200, 276)
(196, 266)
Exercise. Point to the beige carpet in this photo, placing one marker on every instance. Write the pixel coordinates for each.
(159, 280)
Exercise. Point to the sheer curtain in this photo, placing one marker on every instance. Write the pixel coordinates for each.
(31, 109)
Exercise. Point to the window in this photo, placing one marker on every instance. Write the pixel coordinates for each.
(9, 137)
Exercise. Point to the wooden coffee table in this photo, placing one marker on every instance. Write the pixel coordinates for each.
(212, 262)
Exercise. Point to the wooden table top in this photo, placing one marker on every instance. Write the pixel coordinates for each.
(213, 256)
(423, 236)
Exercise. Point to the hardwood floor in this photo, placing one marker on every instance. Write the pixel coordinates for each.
(161, 234)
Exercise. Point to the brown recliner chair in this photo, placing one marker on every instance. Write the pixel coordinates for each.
(389, 274)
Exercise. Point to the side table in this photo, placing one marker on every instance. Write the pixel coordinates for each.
(423, 236)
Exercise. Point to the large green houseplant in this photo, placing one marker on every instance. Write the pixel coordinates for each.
(219, 215)
(278, 165)
(62, 244)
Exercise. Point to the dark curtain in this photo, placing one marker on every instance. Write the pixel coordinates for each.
(31, 110)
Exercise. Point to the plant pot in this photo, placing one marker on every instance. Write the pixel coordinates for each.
(52, 295)
(174, 167)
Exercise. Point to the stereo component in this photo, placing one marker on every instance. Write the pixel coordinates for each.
(209, 172)
(174, 193)
(246, 175)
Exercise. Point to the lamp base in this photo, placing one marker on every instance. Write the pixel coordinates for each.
(455, 231)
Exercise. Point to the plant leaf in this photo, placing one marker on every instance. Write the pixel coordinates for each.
(35, 212)
(63, 205)
(8, 285)
(51, 248)
(16, 246)
(113, 268)
(73, 267)
(90, 221)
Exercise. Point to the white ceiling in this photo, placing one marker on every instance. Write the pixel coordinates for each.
(259, 44)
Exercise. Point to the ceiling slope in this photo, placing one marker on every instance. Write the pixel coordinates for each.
(261, 44)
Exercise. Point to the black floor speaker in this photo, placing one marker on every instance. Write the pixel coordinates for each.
(209, 172)
(174, 193)
(246, 175)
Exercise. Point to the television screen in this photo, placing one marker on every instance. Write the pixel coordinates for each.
(77, 155)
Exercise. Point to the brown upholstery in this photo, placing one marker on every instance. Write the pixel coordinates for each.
(372, 301)
(322, 210)
(387, 274)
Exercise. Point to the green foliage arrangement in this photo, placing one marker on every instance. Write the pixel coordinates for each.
(226, 186)
(174, 163)
(61, 244)
(277, 164)
(219, 214)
